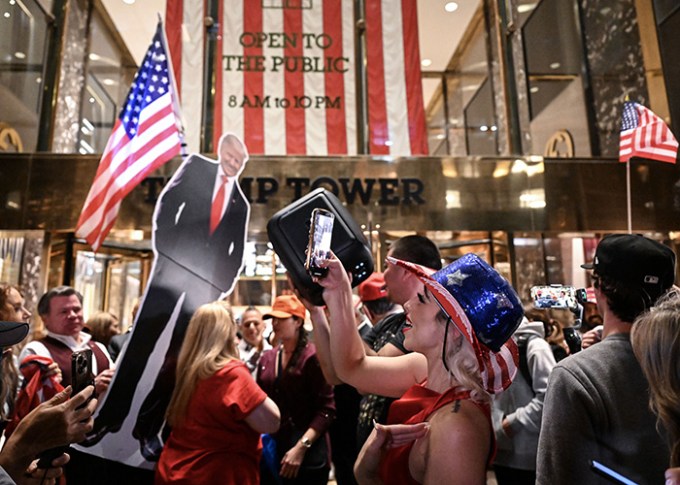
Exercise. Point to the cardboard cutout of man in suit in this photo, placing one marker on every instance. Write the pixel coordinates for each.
(200, 226)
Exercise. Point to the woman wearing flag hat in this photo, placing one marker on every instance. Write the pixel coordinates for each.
(459, 329)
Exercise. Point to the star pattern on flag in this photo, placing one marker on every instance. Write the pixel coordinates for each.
(150, 83)
(456, 278)
(502, 301)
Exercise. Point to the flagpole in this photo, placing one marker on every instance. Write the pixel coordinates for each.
(175, 100)
(628, 204)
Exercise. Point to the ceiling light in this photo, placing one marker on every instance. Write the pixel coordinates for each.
(6, 15)
(426, 62)
(555, 65)
(12, 2)
(526, 8)
(108, 82)
(534, 89)
(20, 55)
(94, 57)
(451, 6)
(129, 2)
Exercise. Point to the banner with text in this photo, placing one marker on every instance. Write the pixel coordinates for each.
(286, 78)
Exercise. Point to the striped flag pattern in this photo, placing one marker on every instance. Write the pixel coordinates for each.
(396, 113)
(145, 136)
(286, 80)
(645, 135)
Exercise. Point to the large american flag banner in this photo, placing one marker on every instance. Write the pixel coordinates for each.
(286, 78)
(644, 134)
(145, 136)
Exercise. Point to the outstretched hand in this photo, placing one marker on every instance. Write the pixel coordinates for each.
(59, 421)
(336, 278)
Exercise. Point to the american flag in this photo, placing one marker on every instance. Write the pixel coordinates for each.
(644, 134)
(145, 136)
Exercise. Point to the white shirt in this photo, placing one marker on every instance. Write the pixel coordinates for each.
(38, 348)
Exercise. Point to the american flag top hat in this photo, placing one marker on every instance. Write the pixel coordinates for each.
(484, 308)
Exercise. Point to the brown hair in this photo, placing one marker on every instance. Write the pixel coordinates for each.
(656, 344)
(9, 380)
(99, 324)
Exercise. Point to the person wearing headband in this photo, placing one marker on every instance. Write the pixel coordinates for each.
(459, 327)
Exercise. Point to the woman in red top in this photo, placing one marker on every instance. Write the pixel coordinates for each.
(217, 411)
(459, 328)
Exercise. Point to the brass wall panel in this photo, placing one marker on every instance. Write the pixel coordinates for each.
(47, 191)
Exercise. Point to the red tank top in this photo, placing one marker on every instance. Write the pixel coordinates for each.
(415, 406)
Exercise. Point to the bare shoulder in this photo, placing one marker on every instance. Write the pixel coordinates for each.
(459, 443)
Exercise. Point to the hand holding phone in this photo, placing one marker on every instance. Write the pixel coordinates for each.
(319, 246)
(81, 377)
(554, 296)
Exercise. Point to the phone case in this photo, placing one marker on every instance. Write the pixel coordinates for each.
(318, 246)
(288, 232)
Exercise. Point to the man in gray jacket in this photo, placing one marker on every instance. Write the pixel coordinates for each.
(596, 406)
(518, 410)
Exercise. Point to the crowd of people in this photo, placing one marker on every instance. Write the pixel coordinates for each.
(424, 374)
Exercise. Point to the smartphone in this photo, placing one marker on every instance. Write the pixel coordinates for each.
(319, 246)
(81, 370)
(554, 296)
(81, 377)
(610, 474)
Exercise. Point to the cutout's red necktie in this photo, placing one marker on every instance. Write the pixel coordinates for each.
(218, 203)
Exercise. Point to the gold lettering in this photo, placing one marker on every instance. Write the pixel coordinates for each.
(9, 137)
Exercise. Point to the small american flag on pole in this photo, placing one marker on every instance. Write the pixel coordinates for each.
(145, 136)
(644, 134)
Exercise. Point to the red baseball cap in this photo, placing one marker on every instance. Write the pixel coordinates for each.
(373, 288)
(286, 306)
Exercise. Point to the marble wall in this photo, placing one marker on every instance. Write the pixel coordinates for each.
(615, 62)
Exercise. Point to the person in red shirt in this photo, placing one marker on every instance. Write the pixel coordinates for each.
(217, 411)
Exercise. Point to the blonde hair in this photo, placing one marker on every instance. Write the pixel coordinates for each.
(463, 364)
(209, 344)
(656, 344)
(99, 324)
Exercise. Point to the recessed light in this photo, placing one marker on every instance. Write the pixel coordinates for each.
(555, 65)
(91, 100)
(451, 6)
(6, 15)
(12, 2)
(108, 82)
(426, 62)
(20, 55)
(534, 89)
(129, 2)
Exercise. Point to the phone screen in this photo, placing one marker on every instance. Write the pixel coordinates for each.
(319, 246)
(614, 477)
(554, 296)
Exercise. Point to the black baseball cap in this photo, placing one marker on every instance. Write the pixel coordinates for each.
(12, 333)
(635, 260)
